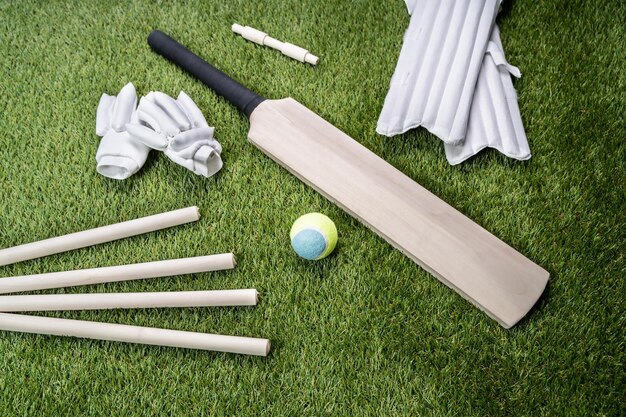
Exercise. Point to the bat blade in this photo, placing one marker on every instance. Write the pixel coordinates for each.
(460, 253)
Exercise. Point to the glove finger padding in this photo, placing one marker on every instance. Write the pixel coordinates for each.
(171, 107)
(103, 114)
(186, 139)
(193, 112)
(179, 129)
(157, 118)
(123, 108)
(119, 155)
(147, 136)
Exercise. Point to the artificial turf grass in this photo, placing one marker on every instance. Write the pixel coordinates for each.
(365, 331)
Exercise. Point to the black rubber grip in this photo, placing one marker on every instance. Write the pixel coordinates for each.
(245, 99)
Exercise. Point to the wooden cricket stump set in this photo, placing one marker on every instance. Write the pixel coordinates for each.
(96, 301)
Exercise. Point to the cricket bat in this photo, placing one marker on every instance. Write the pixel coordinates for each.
(461, 254)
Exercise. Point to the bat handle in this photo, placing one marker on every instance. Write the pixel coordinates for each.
(245, 99)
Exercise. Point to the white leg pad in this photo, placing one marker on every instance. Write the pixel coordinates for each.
(495, 119)
(435, 78)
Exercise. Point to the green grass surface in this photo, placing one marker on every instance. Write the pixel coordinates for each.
(365, 332)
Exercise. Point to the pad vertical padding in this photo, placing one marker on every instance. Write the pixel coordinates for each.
(434, 81)
(495, 119)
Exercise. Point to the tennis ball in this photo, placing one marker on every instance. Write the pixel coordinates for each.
(313, 236)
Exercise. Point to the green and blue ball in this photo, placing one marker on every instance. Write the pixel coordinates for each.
(313, 236)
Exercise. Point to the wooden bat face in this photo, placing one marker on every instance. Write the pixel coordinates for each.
(460, 253)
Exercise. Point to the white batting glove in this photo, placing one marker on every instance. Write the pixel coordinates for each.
(118, 156)
(178, 128)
